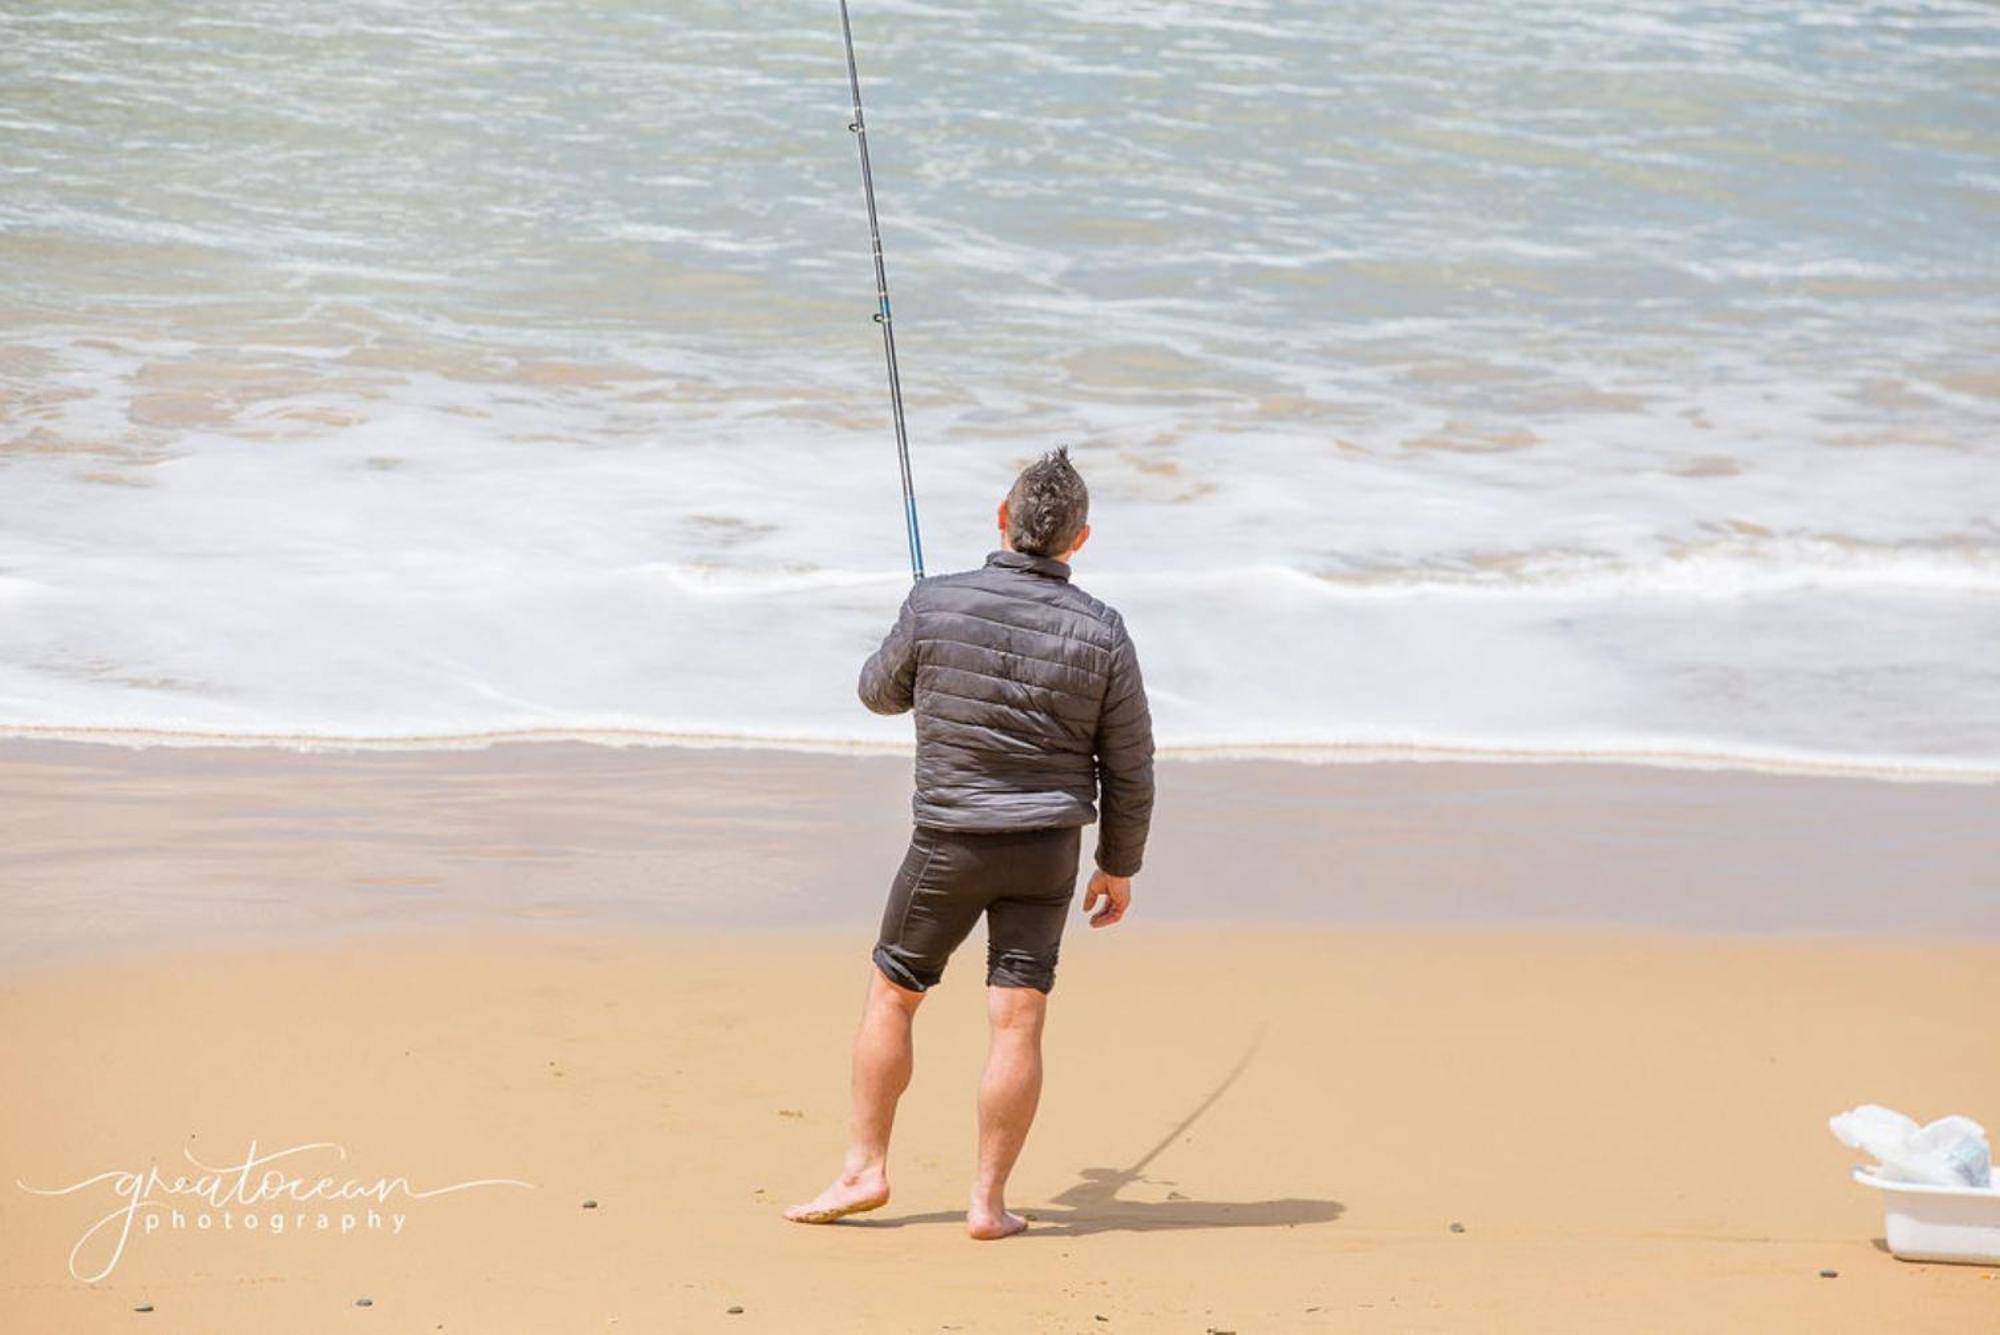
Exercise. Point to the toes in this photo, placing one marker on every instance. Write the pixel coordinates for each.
(825, 1212)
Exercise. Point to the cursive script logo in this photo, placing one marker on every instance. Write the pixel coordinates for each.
(253, 1195)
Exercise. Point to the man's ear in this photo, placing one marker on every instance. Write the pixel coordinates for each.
(1082, 535)
(1001, 519)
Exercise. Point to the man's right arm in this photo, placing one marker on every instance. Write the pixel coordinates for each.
(888, 682)
(1124, 764)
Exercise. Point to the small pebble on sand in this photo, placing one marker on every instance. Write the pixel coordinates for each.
(364, 1302)
(1458, 1228)
(143, 1307)
(590, 1205)
(1829, 1274)
(736, 1311)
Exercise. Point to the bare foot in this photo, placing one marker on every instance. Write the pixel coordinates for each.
(847, 1195)
(986, 1223)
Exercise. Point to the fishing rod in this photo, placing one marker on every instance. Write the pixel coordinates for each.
(859, 128)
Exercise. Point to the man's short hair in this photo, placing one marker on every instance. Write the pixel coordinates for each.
(1047, 506)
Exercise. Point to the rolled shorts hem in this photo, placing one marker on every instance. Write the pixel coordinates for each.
(1013, 970)
(900, 973)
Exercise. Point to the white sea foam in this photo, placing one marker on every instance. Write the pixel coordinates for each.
(1479, 380)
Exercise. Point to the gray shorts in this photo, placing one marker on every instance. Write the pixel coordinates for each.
(1021, 880)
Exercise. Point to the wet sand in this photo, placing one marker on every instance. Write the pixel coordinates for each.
(107, 848)
(1596, 1017)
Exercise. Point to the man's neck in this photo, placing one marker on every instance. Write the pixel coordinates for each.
(1007, 546)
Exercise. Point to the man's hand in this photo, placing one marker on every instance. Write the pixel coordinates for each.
(1116, 892)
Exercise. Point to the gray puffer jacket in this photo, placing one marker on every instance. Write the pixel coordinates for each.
(1028, 700)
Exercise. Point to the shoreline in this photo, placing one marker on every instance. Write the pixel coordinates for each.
(1768, 761)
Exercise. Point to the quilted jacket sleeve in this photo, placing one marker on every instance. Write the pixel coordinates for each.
(1124, 764)
(889, 678)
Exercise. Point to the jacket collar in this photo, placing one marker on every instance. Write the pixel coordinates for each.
(1040, 565)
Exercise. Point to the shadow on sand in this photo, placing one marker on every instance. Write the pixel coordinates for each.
(1093, 1204)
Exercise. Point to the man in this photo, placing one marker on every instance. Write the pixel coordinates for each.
(1029, 703)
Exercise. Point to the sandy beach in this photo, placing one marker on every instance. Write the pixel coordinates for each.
(1328, 1091)
(472, 514)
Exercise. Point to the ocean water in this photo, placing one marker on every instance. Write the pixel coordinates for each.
(1602, 378)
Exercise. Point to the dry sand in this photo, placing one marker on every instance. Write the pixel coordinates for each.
(1266, 1126)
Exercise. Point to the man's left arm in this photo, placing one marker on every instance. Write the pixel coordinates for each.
(889, 678)
(1124, 764)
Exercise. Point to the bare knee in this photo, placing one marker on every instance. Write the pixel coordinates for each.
(1017, 1011)
(888, 994)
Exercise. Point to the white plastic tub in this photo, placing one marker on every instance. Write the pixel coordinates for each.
(1926, 1223)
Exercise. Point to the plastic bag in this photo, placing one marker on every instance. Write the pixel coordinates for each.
(1950, 1152)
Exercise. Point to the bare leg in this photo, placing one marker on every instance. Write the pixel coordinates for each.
(882, 1061)
(1008, 1093)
